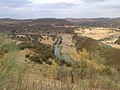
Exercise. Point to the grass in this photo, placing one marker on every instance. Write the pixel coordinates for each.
(85, 74)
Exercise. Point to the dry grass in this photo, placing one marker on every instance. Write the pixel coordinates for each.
(68, 46)
(47, 41)
(23, 53)
(17, 75)
(101, 33)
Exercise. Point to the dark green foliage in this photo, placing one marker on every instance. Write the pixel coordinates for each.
(68, 64)
(27, 56)
(26, 45)
(36, 58)
(84, 42)
(42, 52)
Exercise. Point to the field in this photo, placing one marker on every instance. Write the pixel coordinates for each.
(107, 35)
(68, 46)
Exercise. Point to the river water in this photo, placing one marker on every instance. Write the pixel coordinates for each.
(57, 52)
(57, 48)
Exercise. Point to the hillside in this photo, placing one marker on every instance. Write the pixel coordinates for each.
(96, 22)
(33, 26)
(84, 61)
(110, 55)
(15, 68)
(46, 25)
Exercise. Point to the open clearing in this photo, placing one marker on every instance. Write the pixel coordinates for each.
(108, 35)
(68, 46)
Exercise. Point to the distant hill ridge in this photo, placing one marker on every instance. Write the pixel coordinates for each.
(54, 24)
(94, 22)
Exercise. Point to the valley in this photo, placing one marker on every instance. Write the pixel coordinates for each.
(59, 54)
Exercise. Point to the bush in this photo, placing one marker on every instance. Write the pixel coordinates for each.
(48, 62)
(105, 70)
(36, 58)
(27, 56)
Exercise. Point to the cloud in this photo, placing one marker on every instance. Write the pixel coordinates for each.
(54, 1)
(14, 3)
(94, 0)
(59, 8)
(111, 6)
(61, 5)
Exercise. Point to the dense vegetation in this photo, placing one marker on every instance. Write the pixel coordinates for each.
(41, 52)
(111, 55)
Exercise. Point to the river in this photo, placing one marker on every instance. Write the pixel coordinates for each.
(57, 52)
(57, 48)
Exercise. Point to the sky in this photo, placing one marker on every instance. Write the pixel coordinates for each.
(30, 9)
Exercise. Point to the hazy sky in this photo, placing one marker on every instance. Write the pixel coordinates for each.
(59, 8)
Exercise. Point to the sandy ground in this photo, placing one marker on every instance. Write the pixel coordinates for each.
(99, 33)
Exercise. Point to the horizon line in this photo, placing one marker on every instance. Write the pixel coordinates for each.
(58, 18)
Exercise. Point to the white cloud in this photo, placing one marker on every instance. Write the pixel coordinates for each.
(59, 8)
(55, 1)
